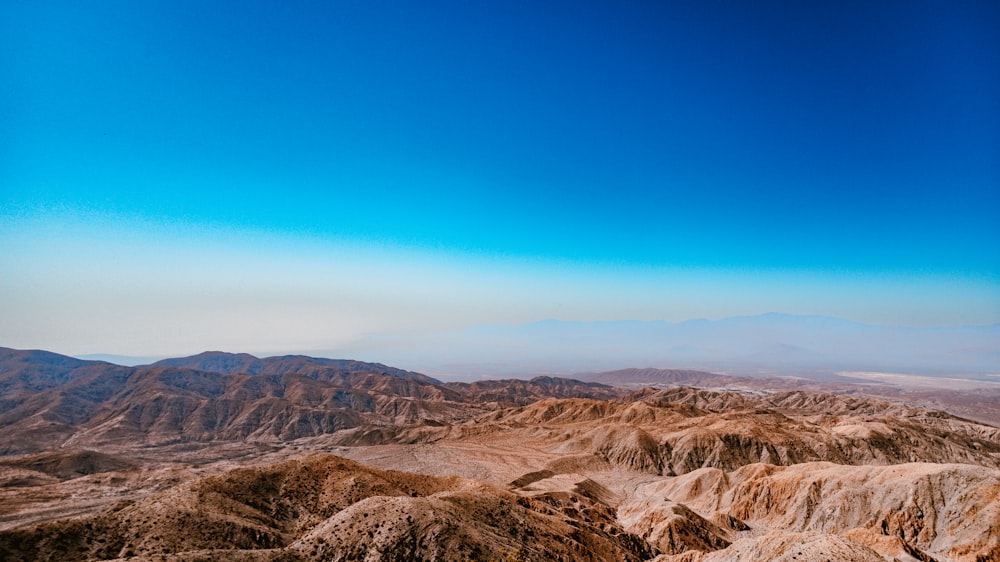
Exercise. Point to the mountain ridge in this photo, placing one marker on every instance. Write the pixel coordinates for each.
(51, 400)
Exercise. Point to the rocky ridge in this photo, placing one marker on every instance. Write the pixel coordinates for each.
(51, 401)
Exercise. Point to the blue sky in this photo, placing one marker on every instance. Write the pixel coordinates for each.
(172, 171)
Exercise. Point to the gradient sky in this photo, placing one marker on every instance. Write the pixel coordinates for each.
(281, 176)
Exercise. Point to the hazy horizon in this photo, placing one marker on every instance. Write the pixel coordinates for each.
(769, 344)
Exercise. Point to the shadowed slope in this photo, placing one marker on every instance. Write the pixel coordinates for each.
(65, 465)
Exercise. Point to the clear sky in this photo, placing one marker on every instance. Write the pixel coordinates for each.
(272, 176)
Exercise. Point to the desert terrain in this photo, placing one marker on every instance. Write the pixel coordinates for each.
(231, 457)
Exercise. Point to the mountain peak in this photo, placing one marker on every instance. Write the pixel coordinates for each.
(216, 362)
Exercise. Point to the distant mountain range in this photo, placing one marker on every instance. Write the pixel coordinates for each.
(764, 344)
(49, 400)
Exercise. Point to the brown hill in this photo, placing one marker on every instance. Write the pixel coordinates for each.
(315, 367)
(974, 398)
(324, 507)
(164, 405)
(25, 372)
(511, 392)
(53, 401)
(677, 431)
(943, 509)
(50, 400)
(216, 362)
